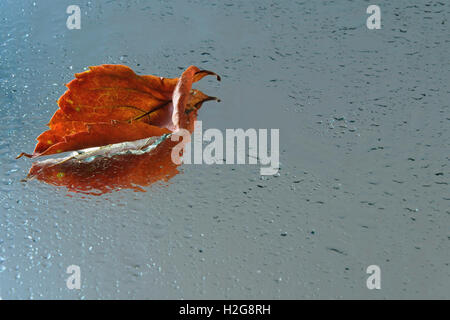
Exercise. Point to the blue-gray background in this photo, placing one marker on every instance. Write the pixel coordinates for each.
(364, 141)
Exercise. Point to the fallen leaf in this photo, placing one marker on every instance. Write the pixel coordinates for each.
(128, 165)
(111, 104)
(99, 174)
(125, 121)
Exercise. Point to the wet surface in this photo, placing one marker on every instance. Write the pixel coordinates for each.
(364, 139)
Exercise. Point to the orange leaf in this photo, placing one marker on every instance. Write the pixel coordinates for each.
(104, 172)
(110, 104)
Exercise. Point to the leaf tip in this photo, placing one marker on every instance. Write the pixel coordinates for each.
(24, 154)
(201, 73)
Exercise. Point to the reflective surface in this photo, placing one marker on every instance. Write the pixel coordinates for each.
(364, 139)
